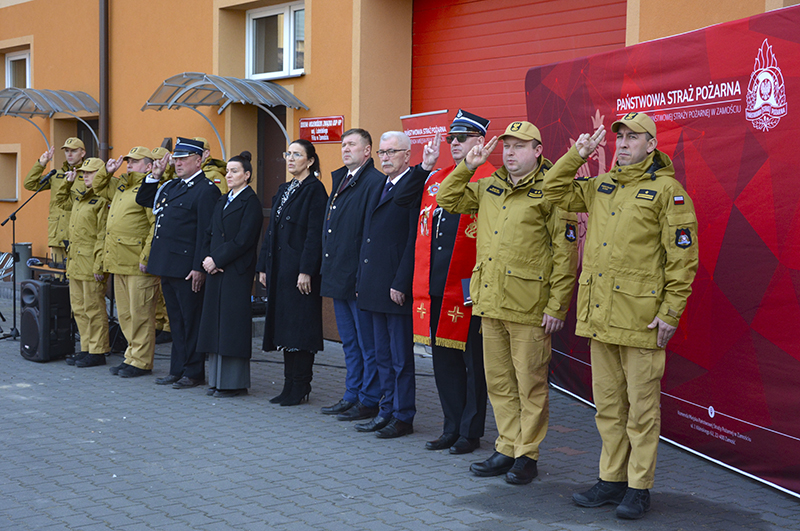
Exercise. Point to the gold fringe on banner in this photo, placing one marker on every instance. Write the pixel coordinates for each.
(425, 340)
(451, 343)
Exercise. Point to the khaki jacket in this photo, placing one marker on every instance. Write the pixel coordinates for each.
(58, 218)
(215, 171)
(640, 255)
(87, 229)
(526, 254)
(129, 231)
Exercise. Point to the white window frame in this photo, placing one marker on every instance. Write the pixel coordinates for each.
(288, 11)
(15, 56)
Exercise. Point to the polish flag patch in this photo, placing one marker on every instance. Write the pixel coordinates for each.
(677, 199)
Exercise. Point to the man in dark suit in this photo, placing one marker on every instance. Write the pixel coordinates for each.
(183, 208)
(386, 268)
(353, 185)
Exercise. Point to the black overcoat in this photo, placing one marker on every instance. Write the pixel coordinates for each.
(293, 245)
(344, 227)
(387, 254)
(226, 323)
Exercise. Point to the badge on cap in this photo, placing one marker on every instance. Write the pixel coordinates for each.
(515, 126)
(683, 238)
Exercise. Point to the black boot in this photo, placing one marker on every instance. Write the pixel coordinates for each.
(301, 383)
(288, 371)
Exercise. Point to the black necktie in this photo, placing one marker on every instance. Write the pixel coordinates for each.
(388, 186)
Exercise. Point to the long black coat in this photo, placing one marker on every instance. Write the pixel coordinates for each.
(182, 216)
(387, 254)
(293, 245)
(344, 228)
(232, 239)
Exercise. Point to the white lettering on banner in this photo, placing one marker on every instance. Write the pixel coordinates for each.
(712, 429)
(422, 135)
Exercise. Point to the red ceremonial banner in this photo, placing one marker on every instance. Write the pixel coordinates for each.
(726, 101)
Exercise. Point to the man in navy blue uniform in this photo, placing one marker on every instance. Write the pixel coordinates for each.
(353, 185)
(183, 208)
(386, 269)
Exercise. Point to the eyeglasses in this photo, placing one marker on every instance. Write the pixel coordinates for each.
(390, 152)
(288, 155)
(461, 137)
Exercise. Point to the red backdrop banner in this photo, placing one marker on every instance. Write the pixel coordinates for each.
(726, 101)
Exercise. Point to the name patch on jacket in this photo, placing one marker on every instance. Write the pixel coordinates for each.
(683, 238)
(570, 233)
(646, 194)
(606, 188)
(536, 194)
(495, 190)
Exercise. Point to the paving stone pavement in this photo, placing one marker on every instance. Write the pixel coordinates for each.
(83, 450)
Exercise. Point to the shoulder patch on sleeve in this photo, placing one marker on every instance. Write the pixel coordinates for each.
(683, 238)
(570, 233)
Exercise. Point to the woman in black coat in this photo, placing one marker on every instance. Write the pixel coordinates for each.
(289, 268)
(226, 322)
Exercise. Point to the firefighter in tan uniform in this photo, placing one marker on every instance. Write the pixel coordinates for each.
(58, 219)
(521, 287)
(129, 234)
(87, 282)
(213, 169)
(163, 334)
(640, 258)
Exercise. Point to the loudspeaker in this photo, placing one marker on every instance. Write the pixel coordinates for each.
(45, 323)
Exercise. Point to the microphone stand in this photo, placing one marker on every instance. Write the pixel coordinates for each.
(13, 334)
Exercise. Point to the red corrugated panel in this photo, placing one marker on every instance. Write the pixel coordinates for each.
(474, 54)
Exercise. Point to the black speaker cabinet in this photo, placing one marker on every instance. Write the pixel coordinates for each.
(45, 323)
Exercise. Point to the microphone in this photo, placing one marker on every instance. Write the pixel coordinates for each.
(47, 177)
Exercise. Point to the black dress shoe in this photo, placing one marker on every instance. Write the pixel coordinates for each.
(162, 336)
(116, 368)
(91, 360)
(523, 471)
(229, 393)
(635, 503)
(167, 380)
(375, 424)
(75, 357)
(396, 428)
(602, 493)
(497, 465)
(129, 371)
(210, 391)
(358, 412)
(186, 383)
(465, 446)
(445, 440)
(339, 407)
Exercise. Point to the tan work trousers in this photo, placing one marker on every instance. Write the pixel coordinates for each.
(516, 359)
(162, 321)
(136, 304)
(626, 382)
(88, 300)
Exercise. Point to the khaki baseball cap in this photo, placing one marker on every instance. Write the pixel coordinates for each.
(638, 122)
(91, 164)
(523, 131)
(159, 153)
(138, 153)
(73, 143)
(203, 140)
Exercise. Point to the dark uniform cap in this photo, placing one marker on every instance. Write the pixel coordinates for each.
(466, 122)
(186, 147)
(637, 122)
(73, 143)
(523, 131)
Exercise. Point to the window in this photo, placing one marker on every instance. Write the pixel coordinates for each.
(276, 41)
(9, 172)
(18, 72)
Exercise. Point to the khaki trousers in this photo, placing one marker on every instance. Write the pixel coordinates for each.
(136, 304)
(88, 300)
(516, 359)
(162, 321)
(626, 382)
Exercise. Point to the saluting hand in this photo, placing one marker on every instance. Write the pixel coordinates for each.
(159, 166)
(70, 175)
(47, 156)
(430, 152)
(480, 154)
(586, 144)
(113, 164)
